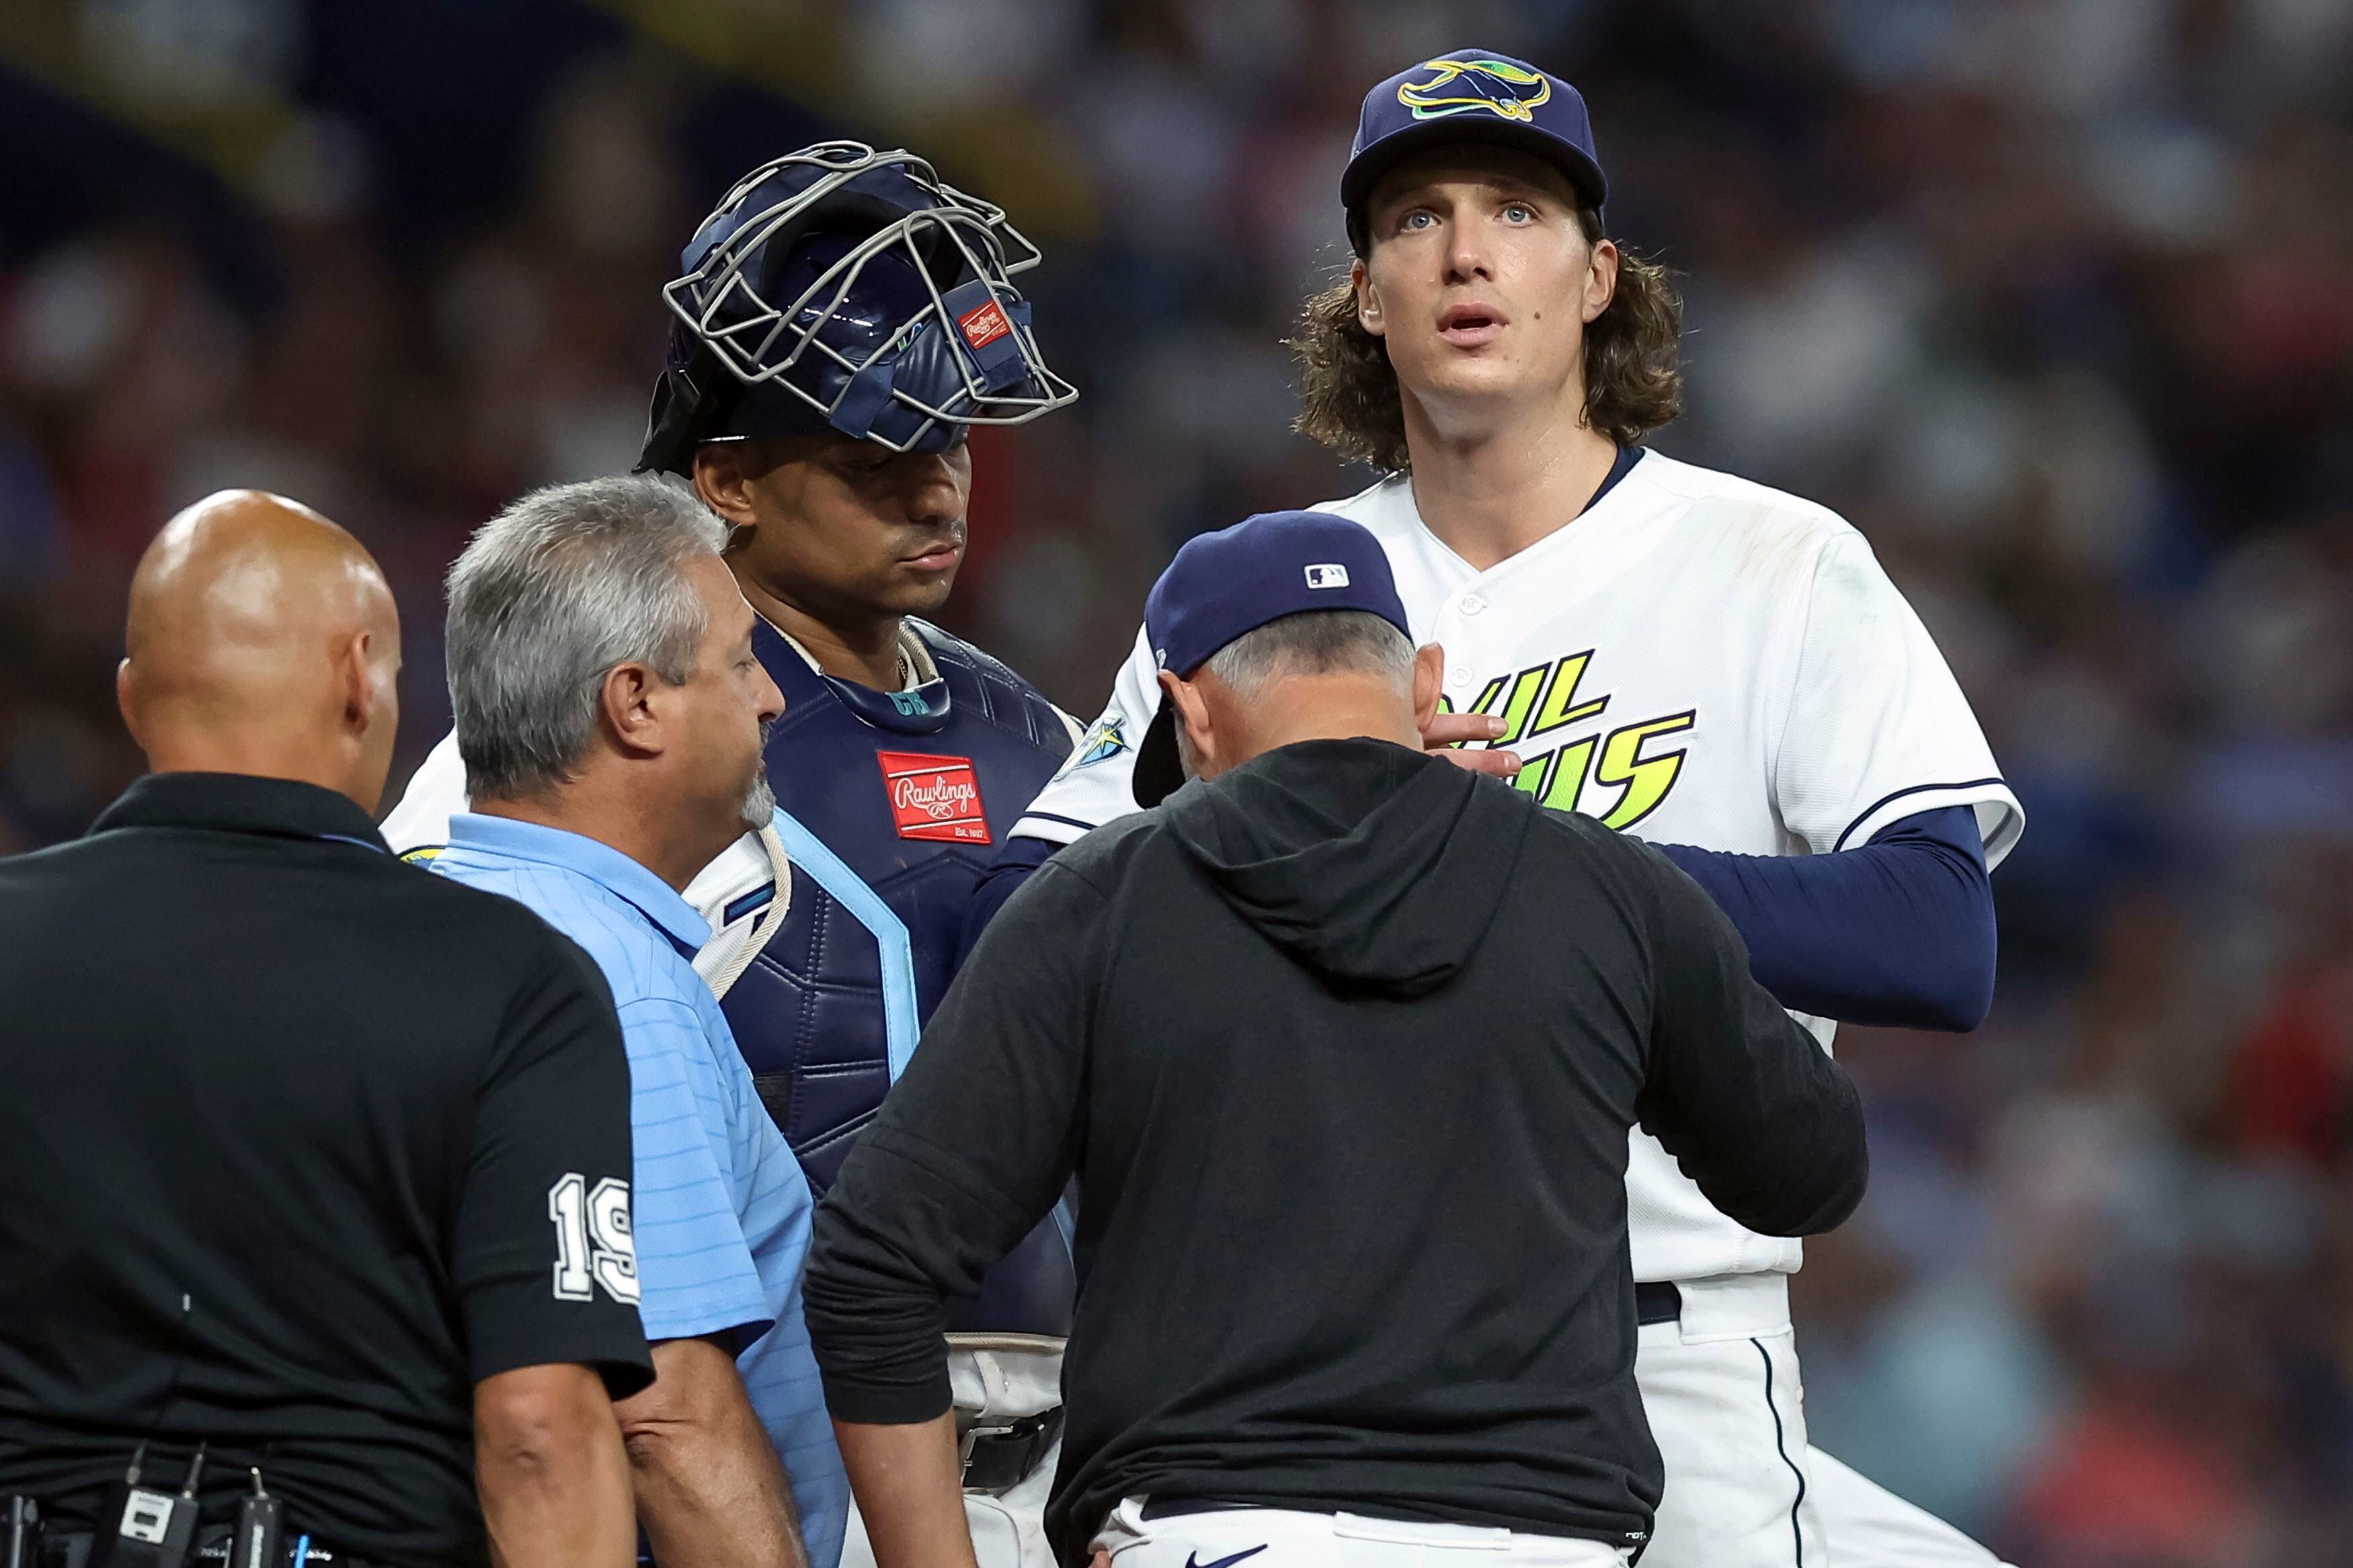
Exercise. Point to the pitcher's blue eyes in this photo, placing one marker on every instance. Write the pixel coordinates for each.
(1516, 212)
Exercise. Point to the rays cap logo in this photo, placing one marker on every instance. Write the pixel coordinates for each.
(1226, 585)
(1475, 86)
(1470, 95)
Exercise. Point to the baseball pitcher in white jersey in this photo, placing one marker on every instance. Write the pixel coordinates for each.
(1718, 667)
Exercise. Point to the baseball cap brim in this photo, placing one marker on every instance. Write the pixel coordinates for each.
(1159, 773)
(1367, 168)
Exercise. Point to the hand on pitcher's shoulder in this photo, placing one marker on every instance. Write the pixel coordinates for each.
(1445, 732)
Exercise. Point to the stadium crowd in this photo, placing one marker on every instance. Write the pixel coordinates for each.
(2053, 299)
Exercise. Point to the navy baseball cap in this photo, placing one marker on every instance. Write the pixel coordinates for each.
(1226, 584)
(1471, 95)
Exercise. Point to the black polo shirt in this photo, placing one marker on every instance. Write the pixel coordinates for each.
(287, 1131)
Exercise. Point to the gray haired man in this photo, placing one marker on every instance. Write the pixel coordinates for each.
(611, 717)
(1343, 1045)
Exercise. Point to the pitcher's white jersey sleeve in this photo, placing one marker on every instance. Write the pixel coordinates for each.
(436, 793)
(1877, 728)
(1098, 784)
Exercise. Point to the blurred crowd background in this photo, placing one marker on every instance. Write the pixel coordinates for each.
(2052, 298)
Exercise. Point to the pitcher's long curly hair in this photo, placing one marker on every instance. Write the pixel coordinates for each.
(1350, 399)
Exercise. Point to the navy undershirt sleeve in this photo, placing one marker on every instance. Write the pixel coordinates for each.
(1006, 872)
(1899, 932)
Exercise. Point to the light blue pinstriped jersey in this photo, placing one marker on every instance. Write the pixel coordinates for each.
(718, 1204)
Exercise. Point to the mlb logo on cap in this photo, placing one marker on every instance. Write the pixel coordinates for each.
(1224, 584)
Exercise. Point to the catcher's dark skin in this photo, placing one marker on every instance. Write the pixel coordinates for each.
(837, 540)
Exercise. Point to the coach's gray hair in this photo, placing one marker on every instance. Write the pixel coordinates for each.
(1308, 642)
(1315, 642)
(549, 596)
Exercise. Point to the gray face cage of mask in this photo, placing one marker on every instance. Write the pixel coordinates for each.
(837, 345)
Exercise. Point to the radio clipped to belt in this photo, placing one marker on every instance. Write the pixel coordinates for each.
(143, 1528)
(140, 1527)
(260, 1523)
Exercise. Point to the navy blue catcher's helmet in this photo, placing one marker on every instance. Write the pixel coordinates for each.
(847, 289)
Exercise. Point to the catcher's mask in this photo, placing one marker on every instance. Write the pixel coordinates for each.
(846, 290)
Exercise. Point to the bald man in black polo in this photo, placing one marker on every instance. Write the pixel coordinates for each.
(282, 1121)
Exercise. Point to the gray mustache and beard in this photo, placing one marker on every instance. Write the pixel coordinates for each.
(760, 801)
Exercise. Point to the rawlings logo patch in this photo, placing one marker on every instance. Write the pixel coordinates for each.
(933, 797)
(984, 325)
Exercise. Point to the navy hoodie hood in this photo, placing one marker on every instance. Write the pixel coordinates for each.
(1348, 855)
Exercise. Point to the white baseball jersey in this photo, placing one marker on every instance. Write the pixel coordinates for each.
(1698, 659)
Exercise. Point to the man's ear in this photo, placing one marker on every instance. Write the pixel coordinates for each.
(1429, 675)
(126, 701)
(1192, 715)
(723, 481)
(377, 692)
(1368, 299)
(356, 672)
(632, 715)
(1601, 279)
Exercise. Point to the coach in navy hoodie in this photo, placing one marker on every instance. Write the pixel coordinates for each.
(1341, 1043)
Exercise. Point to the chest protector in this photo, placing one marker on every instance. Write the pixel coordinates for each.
(897, 803)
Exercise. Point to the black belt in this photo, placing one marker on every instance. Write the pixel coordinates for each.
(998, 1455)
(1656, 1301)
(1179, 1507)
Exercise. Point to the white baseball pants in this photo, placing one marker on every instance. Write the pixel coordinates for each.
(1010, 1376)
(1278, 1538)
(1745, 1490)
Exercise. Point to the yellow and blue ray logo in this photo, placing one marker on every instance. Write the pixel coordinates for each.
(1463, 87)
(1108, 739)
